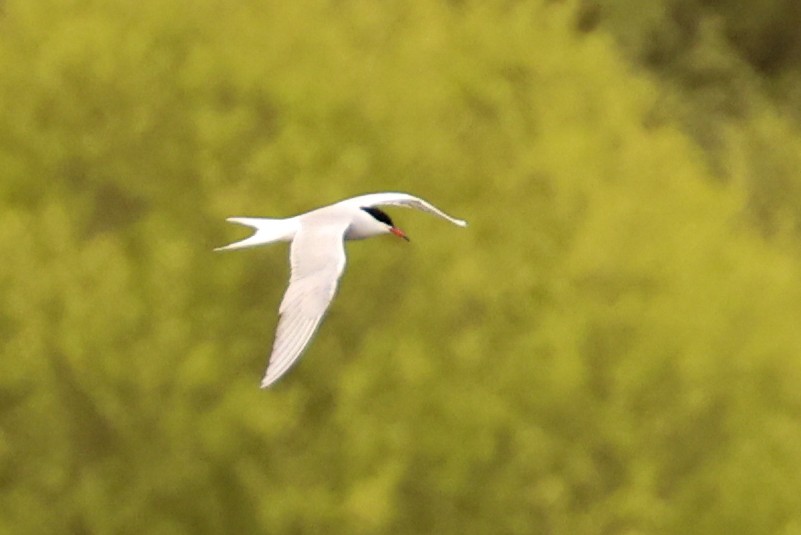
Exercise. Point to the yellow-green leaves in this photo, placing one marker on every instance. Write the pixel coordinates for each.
(611, 346)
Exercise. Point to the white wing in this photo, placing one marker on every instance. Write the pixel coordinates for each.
(400, 199)
(317, 257)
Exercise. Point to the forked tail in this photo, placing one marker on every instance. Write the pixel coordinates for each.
(267, 231)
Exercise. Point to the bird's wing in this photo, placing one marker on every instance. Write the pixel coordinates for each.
(400, 199)
(317, 257)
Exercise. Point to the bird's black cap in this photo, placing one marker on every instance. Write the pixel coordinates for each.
(380, 215)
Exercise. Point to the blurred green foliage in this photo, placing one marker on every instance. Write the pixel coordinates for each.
(612, 346)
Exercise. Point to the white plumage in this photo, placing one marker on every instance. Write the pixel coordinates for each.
(317, 259)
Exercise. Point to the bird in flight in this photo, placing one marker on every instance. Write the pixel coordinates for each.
(317, 259)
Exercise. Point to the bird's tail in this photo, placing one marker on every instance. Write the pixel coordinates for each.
(267, 231)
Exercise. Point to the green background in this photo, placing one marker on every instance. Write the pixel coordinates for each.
(612, 346)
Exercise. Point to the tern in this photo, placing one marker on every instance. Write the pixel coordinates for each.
(317, 259)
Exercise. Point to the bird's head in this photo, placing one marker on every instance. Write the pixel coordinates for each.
(383, 218)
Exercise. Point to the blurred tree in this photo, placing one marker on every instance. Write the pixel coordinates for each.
(610, 347)
(728, 69)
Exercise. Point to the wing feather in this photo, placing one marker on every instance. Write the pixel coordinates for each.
(317, 257)
(400, 199)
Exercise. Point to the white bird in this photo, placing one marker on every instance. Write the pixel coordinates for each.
(317, 259)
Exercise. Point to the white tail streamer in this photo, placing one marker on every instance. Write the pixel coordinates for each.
(267, 231)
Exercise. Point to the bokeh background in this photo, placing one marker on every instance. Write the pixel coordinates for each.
(612, 346)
